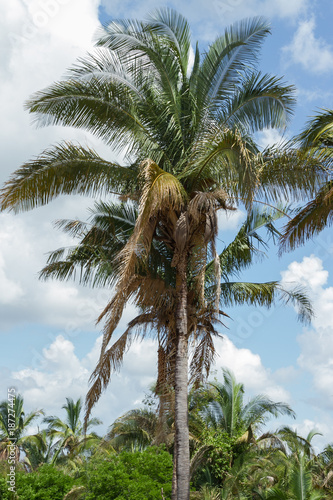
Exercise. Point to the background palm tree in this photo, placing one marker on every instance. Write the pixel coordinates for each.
(71, 439)
(223, 420)
(316, 140)
(133, 431)
(16, 435)
(186, 131)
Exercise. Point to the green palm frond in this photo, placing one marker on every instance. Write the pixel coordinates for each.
(264, 294)
(310, 220)
(263, 101)
(168, 24)
(65, 169)
(229, 58)
(318, 131)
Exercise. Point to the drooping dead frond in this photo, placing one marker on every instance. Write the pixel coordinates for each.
(202, 359)
(109, 362)
(161, 193)
(217, 276)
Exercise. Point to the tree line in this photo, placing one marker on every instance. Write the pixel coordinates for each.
(232, 454)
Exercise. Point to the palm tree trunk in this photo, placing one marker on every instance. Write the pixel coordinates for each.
(181, 385)
(174, 474)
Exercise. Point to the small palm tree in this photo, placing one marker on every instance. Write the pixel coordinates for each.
(71, 439)
(223, 419)
(135, 430)
(228, 411)
(15, 414)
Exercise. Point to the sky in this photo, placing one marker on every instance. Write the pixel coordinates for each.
(49, 340)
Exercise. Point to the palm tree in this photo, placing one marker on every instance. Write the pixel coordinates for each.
(186, 131)
(221, 415)
(13, 426)
(71, 439)
(135, 430)
(228, 411)
(299, 462)
(316, 140)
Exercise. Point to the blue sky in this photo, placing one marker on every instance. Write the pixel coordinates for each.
(49, 339)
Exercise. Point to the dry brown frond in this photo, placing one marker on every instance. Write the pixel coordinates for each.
(109, 361)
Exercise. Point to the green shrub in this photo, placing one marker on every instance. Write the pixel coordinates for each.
(47, 483)
(130, 476)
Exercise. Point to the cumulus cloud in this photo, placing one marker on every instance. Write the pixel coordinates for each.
(248, 369)
(311, 52)
(316, 343)
(40, 40)
(230, 220)
(60, 374)
(270, 137)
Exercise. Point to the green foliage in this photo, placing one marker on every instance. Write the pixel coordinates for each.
(130, 476)
(219, 457)
(47, 483)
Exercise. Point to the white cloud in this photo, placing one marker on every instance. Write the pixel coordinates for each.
(62, 374)
(40, 40)
(229, 219)
(308, 272)
(316, 344)
(10, 291)
(249, 370)
(270, 137)
(314, 54)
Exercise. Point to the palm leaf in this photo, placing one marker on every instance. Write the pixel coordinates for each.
(65, 169)
(310, 220)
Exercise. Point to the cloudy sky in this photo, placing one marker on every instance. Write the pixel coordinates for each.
(49, 341)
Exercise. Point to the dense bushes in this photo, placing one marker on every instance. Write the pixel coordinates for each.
(130, 476)
(47, 483)
(127, 476)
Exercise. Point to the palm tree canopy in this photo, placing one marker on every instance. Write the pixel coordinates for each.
(68, 433)
(317, 141)
(140, 93)
(16, 413)
(228, 411)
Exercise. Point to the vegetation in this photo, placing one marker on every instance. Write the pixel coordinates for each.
(230, 457)
(316, 140)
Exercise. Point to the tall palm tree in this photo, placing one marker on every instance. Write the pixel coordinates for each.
(13, 426)
(186, 132)
(316, 140)
(71, 439)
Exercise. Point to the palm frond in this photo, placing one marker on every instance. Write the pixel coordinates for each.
(310, 220)
(65, 169)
